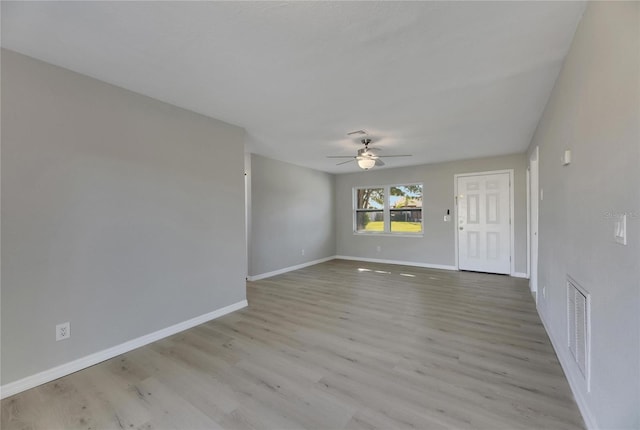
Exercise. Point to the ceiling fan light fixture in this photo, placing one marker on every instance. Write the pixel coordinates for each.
(366, 163)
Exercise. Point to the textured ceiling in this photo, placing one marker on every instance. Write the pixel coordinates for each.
(441, 81)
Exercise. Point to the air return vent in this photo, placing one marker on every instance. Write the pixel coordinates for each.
(579, 325)
(357, 133)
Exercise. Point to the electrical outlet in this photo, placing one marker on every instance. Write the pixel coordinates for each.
(302, 252)
(544, 292)
(378, 248)
(63, 331)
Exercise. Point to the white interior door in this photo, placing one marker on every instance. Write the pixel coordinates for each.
(484, 223)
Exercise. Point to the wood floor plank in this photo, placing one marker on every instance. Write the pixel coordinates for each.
(339, 345)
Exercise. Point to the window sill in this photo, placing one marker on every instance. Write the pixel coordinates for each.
(413, 235)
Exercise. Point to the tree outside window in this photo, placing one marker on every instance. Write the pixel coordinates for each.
(370, 209)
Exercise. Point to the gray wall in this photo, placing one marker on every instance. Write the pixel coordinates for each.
(594, 110)
(292, 208)
(120, 214)
(438, 244)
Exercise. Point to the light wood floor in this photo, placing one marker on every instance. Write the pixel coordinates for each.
(331, 347)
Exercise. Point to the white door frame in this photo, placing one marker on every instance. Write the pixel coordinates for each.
(511, 213)
(247, 212)
(528, 173)
(533, 210)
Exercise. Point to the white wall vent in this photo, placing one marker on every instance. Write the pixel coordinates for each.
(579, 327)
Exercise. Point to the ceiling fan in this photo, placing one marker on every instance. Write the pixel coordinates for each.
(367, 157)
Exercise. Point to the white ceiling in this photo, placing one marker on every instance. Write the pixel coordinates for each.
(439, 80)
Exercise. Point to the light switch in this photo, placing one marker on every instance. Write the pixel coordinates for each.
(620, 229)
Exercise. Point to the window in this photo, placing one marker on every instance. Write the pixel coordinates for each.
(369, 209)
(405, 205)
(395, 209)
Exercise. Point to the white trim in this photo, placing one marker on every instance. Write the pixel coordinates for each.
(528, 185)
(247, 211)
(533, 241)
(288, 269)
(455, 222)
(488, 172)
(82, 363)
(581, 401)
(511, 213)
(520, 275)
(512, 220)
(398, 262)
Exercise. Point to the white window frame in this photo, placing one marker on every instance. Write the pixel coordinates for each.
(386, 211)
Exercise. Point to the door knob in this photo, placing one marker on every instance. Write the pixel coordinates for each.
(461, 228)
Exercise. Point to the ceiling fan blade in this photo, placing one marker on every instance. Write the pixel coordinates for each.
(340, 156)
(379, 162)
(405, 155)
(344, 162)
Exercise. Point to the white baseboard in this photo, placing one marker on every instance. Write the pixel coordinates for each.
(82, 363)
(288, 269)
(398, 262)
(365, 259)
(587, 416)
